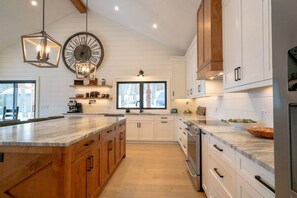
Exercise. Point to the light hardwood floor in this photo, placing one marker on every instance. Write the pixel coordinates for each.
(151, 171)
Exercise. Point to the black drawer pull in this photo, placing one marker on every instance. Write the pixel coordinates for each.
(264, 183)
(216, 170)
(163, 117)
(221, 150)
(184, 133)
(109, 131)
(163, 122)
(121, 125)
(122, 135)
(110, 145)
(203, 132)
(184, 146)
(89, 143)
(89, 163)
(180, 128)
(180, 139)
(1, 157)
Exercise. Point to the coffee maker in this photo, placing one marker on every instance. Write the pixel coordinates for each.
(74, 107)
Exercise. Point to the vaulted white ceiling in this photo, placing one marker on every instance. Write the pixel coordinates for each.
(176, 19)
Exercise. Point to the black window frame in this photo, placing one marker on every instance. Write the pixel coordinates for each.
(141, 84)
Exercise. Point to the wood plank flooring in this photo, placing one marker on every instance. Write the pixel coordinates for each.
(151, 171)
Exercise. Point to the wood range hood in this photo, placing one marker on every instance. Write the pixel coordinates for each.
(209, 40)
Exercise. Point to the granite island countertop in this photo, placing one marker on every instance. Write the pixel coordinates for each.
(58, 132)
(259, 150)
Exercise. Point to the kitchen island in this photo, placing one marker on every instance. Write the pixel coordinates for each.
(68, 157)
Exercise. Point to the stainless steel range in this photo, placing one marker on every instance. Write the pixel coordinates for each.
(194, 161)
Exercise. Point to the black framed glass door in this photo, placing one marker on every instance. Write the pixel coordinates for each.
(18, 94)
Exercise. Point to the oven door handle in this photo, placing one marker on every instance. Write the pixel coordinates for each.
(190, 133)
(190, 170)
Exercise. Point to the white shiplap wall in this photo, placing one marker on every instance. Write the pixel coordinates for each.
(254, 104)
(126, 51)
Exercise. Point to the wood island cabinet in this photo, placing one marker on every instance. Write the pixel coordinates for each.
(80, 170)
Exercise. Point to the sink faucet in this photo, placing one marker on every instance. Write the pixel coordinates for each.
(140, 109)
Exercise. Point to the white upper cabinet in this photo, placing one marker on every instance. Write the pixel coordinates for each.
(246, 44)
(199, 88)
(178, 77)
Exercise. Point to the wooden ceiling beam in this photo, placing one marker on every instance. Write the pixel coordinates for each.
(79, 5)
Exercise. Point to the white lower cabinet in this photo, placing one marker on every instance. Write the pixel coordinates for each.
(259, 178)
(245, 190)
(182, 135)
(132, 130)
(150, 128)
(222, 174)
(230, 174)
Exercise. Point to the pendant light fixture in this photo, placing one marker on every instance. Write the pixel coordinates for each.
(84, 68)
(40, 49)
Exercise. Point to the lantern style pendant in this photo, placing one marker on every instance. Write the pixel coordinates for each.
(84, 69)
(40, 49)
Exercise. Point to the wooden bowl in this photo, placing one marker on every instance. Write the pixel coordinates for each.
(263, 132)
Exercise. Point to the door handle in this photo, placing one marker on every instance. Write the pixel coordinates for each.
(238, 71)
(235, 74)
(172, 93)
(110, 145)
(89, 164)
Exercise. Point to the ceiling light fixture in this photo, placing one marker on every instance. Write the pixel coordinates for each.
(34, 3)
(84, 68)
(40, 49)
(140, 73)
(155, 26)
(116, 8)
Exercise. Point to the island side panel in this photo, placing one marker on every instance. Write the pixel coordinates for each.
(33, 171)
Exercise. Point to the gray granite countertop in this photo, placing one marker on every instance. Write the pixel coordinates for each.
(59, 132)
(259, 150)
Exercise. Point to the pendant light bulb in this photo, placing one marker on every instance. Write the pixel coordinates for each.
(38, 48)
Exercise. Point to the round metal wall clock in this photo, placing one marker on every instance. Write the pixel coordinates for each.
(82, 46)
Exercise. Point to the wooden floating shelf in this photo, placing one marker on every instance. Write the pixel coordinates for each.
(84, 98)
(91, 86)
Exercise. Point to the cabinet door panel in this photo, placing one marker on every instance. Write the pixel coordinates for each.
(79, 177)
(165, 130)
(132, 130)
(207, 30)
(200, 35)
(146, 130)
(244, 190)
(252, 40)
(231, 41)
(93, 176)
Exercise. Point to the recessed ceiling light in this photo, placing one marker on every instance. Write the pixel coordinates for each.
(116, 8)
(155, 25)
(34, 3)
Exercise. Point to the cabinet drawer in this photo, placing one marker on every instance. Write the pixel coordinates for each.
(259, 178)
(216, 189)
(225, 152)
(223, 174)
(164, 118)
(140, 117)
(84, 145)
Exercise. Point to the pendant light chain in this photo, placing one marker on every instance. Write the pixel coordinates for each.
(43, 5)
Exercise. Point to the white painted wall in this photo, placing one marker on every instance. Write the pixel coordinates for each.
(126, 51)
